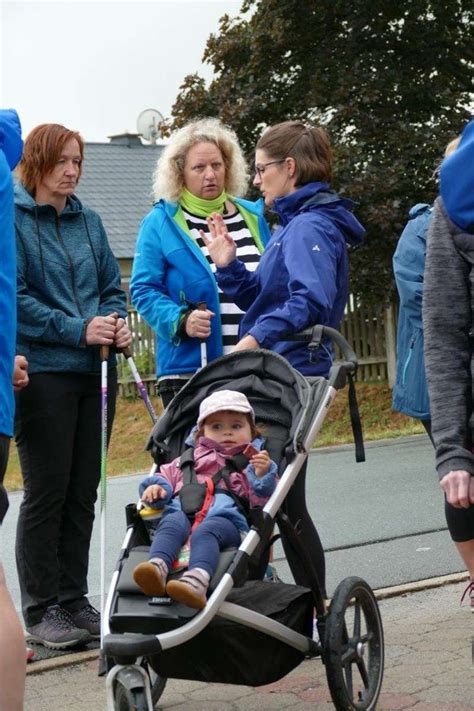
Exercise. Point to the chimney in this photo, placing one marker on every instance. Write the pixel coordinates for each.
(131, 140)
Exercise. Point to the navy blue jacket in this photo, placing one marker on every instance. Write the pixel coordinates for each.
(302, 278)
(410, 393)
(67, 274)
(10, 153)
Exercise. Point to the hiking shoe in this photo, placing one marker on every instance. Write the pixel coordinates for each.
(87, 618)
(149, 579)
(470, 592)
(57, 630)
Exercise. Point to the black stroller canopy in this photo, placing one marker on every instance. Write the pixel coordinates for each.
(278, 393)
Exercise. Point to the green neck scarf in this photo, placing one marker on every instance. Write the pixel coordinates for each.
(199, 206)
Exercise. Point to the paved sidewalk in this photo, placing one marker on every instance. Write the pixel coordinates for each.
(429, 666)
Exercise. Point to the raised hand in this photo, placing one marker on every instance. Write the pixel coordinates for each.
(261, 462)
(221, 246)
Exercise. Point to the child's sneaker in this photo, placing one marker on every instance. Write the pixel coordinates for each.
(470, 592)
(190, 589)
(151, 578)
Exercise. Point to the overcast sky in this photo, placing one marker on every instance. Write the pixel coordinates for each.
(93, 66)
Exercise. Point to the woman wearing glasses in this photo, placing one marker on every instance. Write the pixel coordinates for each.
(200, 171)
(302, 277)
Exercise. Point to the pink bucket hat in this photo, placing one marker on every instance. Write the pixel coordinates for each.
(224, 400)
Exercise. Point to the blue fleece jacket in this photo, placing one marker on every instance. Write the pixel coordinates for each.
(67, 274)
(410, 393)
(302, 277)
(457, 180)
(169, 272)
(11, 147)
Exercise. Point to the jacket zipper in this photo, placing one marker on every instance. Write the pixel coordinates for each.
(71, 267)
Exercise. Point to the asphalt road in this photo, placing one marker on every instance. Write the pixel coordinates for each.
(382, 520)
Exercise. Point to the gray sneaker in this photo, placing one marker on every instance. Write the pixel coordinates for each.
(57, 630)
(87, 618)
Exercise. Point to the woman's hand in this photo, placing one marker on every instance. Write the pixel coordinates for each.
(20, 373)
(246, 343)
(101, 330)
(123, 337)
(221, 246)
(261, 463)
(458, 486)
(153, 493)
(198, 323)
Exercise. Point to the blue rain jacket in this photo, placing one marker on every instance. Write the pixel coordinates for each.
(67, 274)
(410, 393)
(169, 272)
(11, 147)
(302, 278)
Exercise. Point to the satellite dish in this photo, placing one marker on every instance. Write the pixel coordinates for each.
(148, 124)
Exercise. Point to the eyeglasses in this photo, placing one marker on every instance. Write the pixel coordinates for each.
(260, 169)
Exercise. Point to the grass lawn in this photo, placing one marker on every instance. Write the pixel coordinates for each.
(132, 426)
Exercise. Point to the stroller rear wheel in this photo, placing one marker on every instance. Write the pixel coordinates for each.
(354, 648)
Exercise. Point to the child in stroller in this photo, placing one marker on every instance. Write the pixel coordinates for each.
(249, 632)
(212, 511)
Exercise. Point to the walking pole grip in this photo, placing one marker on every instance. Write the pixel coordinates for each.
(202, 307)
(104, 353)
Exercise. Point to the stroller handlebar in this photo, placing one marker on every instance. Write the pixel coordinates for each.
(313, 337)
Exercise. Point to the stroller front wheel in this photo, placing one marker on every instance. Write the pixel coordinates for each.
(354, 647)
(130, 699)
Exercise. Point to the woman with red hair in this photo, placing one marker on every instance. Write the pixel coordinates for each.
(69, 304)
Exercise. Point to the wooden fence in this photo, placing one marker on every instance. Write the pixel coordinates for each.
(370, 330)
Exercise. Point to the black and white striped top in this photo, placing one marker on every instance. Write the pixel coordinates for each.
(247, 252)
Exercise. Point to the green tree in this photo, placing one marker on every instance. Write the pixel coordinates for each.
(391, 81)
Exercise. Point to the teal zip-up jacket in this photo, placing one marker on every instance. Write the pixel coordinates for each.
(170, 272)
(66, 274)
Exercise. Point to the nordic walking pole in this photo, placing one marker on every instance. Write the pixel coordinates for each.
(202, 307)
(141, 388)
(104, 357)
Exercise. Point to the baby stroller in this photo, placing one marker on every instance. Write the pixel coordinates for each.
(250, 632)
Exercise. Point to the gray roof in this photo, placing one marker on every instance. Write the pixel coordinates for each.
(116, 182)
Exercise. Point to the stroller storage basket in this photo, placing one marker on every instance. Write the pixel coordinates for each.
(232, 653)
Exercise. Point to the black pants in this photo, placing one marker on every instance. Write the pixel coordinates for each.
(57, 429)
(4, 449)
(296, 510)
(169, 387)
(460, 521)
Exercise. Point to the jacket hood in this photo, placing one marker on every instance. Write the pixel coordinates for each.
(456, 180)
(26, 201)
(319, 196)
(10, 136)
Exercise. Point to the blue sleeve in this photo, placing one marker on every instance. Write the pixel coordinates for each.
(161, 481)
(36, 320)
(456, 180)
(409, 267)
(112, 296)
(148, 283)
(312, 280)
(265, 485)
(241, 285)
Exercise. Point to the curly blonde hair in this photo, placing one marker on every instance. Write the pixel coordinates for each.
(168, 181)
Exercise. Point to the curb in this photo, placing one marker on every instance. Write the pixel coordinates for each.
(75, 658)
